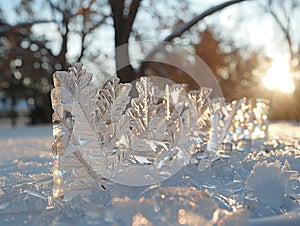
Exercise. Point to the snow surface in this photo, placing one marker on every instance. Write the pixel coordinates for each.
(254, 187)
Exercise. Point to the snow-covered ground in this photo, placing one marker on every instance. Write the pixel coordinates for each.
(255, 187)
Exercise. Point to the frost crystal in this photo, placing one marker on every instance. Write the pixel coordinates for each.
(250, 121)
(109, 134)
(110, 103)
(221, 117)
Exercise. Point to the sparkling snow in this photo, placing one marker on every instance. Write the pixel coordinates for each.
(253, 187)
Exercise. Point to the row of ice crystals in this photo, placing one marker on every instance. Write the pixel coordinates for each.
(154, 128)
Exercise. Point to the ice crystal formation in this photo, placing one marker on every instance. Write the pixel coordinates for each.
(108, 133)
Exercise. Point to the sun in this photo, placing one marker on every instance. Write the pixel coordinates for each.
(279, 77)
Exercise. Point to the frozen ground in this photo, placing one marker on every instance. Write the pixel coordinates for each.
(255, 187)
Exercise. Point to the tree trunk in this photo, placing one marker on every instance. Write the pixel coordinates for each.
(61, 58)
(123, 26)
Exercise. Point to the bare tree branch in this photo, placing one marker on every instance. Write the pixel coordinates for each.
(84, 34)
(186, 26)
(285, 29)
(55, 7)
(39, 44)
(4, 28)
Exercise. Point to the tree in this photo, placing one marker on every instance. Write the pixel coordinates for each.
(285, 15)
(236, 68)
(28, 59)
(25, 69)
(123, 17)
(81, 20)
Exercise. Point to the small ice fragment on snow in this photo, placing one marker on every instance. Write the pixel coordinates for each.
(4, 205)
(268, 182)
(140, 220)
(50, 203)
(1, 192)
(142, 160)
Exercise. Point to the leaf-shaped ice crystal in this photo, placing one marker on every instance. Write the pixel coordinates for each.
(110, 103)
(82, 78)
(77, 136)
(221, 118)
(154, 133)
(141, 106)
(199, 117)
(199, 100)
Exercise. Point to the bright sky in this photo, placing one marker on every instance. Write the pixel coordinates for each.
(279, 76)
(256, 29)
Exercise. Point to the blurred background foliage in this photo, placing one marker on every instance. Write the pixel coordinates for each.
(38, 37)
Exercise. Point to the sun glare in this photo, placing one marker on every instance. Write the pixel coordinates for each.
(279, 77)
